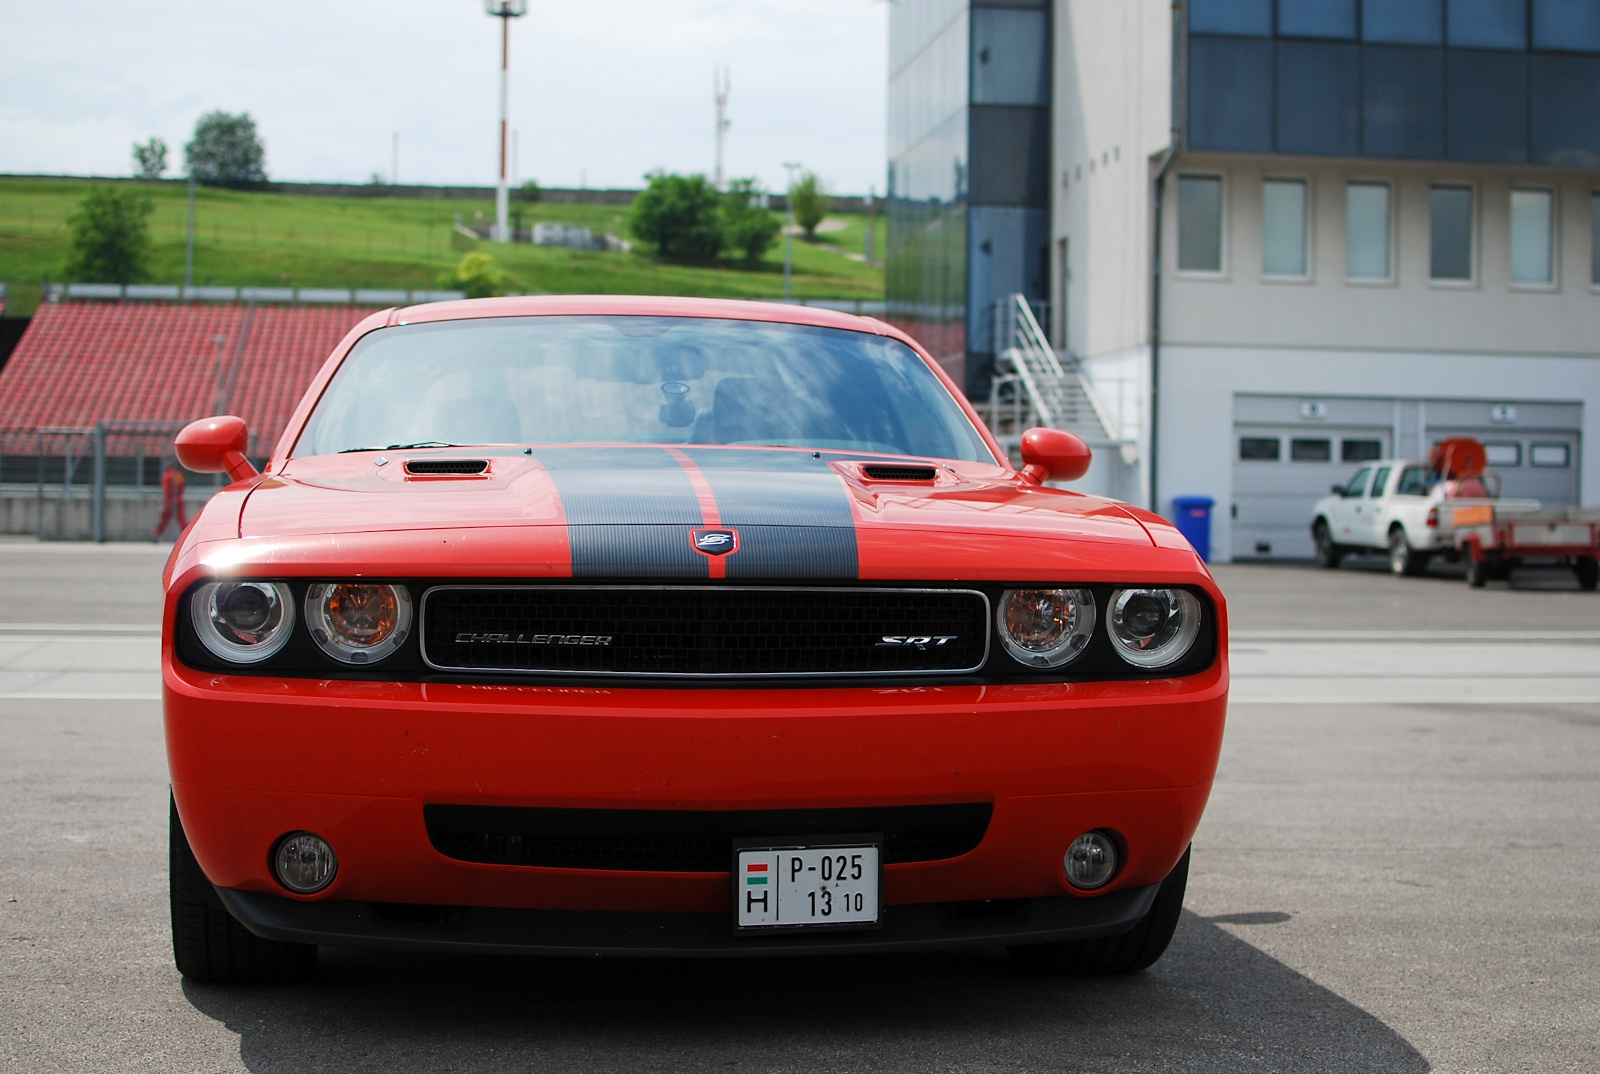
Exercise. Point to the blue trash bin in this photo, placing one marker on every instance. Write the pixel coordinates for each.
(1194, 521)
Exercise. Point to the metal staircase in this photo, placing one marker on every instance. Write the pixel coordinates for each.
(1033, 387)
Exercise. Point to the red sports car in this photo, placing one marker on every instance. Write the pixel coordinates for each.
(657, 626)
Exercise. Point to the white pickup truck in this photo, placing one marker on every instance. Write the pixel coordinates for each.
(1393, 505)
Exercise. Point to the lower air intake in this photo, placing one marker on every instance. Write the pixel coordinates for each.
(688, 841)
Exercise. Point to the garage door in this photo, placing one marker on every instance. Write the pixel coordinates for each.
(1280, 472)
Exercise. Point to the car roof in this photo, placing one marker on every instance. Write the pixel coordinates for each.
(640, 306)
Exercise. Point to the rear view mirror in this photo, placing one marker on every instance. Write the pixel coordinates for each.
(1338, 490)
(1053, 455)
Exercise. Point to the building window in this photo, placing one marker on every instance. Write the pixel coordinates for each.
(1361, 451)
(1403, 22)
(1451, 233)
(1200, 223)
(1566, 25)
(1554, 455)
(1250, 18)
(1594, 239)
(1283, 227)
(1259, 448)
(1311, 450)
(1489, 23)
(1531, 236)
(1366, 231)
(1317, 18)
(1503, 454)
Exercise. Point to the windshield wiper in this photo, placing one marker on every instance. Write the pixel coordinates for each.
(402, 447)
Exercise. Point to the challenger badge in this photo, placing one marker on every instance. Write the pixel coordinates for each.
(715, 542)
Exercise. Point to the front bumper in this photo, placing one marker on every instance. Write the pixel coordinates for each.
(253, 759)
(487, 930)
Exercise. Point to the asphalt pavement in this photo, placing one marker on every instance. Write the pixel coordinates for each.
(1397, 872)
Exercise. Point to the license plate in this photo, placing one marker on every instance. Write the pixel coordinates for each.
(807, 887)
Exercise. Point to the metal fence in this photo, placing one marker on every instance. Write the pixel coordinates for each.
(99, 482)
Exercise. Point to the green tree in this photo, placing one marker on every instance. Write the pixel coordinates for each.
(530, 190)
(226, 150)
(679, 216)
(477, 275)
(747, 226)
(811, 204)
(110, 240)
(149, 159)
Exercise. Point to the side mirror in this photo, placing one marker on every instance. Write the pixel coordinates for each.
(1337, 490)
(216, 445)
(1053, 455)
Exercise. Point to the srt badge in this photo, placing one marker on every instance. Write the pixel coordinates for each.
(715, 542)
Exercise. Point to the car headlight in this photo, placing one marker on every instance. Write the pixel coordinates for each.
(243, 622)
(358, 622)
(1152, 628)
(1045, 627)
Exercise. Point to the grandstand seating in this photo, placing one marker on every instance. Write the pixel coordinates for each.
(81, 363)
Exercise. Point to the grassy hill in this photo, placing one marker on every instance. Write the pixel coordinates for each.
(245, 238)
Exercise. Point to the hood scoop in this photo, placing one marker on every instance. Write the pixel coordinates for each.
(900, 472)
(446, 467)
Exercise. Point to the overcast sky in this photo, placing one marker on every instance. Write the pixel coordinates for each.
(602, 89)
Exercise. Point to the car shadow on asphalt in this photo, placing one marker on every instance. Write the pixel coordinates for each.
(1214, 1002)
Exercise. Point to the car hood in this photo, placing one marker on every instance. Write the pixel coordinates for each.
(633, 511)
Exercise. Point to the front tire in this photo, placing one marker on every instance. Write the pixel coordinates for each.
(1403, 559)
(1134, 950)
(207, 943)
(1588, 572)
(1328, 553)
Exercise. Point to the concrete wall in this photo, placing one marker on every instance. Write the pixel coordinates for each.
(128, 518)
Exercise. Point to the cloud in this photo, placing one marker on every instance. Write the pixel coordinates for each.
(606, 88)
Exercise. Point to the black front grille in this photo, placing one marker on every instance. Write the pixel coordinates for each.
(688, 841)
(704, 630)
(429, 467)
(883, 472)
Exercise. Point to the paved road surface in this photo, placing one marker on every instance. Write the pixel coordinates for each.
(1397, 873)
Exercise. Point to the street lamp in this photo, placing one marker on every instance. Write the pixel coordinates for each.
(505, 11)
(788, 231)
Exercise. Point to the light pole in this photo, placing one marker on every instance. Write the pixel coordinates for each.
(505, 11)
(721, 83)
(788, 231)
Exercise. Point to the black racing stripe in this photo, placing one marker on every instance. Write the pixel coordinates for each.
(791, 511)
(629, 512)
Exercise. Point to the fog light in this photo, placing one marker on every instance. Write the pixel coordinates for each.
(1091, 861)
(304, 862)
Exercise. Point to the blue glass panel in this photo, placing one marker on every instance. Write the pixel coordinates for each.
(1402, 102)
(1249, 17)
(1486, 107)
(1230, 94)
(1566, 110)
(1319, 98)
(1403, 22)
(1317, 18)
(1010, 156)
(1489, 23)
(1567, 25)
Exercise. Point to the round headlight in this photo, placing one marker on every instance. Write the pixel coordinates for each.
(243, 622)
(1091, 861)
(1152, 628)
(304, 862)
(358, 622)
(1045, 627)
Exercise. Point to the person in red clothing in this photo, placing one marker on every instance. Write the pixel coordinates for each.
(172, 484)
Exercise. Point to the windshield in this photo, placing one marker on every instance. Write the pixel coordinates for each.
(648, 380)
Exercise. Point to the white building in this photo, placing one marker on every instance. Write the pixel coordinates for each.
(1379, 225)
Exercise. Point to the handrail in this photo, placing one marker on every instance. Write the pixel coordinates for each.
(1024, 338)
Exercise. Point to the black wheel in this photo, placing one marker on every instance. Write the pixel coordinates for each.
(207, 943)
(1403, 559)
(1134, 950)
(1477, 571)
(1588, 572)
(1328, 553)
